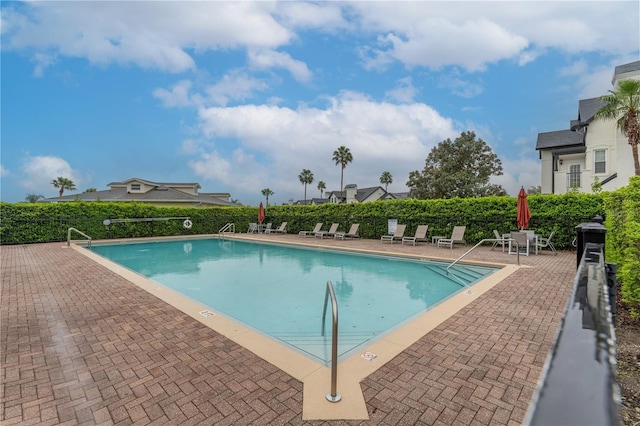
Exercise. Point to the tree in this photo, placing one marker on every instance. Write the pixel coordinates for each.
(321, 186)
(33, 198)
(623, 105)
(63, 183)
(343, 157)
(386, 179)
(91, 190)
(306, 178)
(534, 190)
(461, 168)
(267, 193)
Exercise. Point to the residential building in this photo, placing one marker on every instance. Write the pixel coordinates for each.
(156, 193)
(589, 150)
(352, 194)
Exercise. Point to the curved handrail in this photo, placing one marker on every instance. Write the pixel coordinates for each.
(79, 232)
(484, 241)
(332, 396)
(226, 227)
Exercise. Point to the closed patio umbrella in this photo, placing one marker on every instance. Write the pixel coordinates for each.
(523, 210)
(260, 213)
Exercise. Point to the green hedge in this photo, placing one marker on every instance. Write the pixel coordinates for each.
(623, 239)
(28, 223)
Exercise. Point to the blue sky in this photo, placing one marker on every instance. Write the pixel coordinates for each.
(241, 96)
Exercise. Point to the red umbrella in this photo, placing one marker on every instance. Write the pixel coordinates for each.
(523, 210)
(260, 213)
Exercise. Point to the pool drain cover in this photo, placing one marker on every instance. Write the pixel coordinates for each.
(206, 313)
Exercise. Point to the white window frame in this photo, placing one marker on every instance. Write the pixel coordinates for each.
(573, 176)
(136, 187)
(596, 162)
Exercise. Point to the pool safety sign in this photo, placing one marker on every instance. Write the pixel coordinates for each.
(392, 225)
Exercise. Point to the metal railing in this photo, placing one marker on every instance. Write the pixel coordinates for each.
(79, 232)
(484, 241)
(226, 228)
(332, 396)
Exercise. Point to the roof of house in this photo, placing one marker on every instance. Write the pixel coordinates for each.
(559, 139)
(587, 109)
(161, 193)
(625, 68)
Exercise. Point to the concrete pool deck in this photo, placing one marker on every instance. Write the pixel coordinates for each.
(81, 344)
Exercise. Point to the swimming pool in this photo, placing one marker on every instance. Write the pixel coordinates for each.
(279, 290)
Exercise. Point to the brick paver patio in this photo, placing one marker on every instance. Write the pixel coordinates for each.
(82, 345)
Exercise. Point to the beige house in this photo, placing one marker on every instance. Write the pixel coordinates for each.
(353, 194)
(590, 150)
(156, 193)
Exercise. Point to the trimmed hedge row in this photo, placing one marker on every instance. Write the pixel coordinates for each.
(28, 223)
(623, 239)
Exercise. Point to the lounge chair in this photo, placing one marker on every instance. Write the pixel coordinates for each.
(396, 235)
(330, 233)
(546, 243)
(457, 237)
(353, 233)
(500, 239)
(253, 228)
(310, 233)
(267, 228)
(421, 235)
(278, 230)
(523, 243)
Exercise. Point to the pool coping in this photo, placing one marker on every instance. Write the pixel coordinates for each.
(314, 376)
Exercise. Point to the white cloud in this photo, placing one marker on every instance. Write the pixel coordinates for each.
(267, 59)
(177, 96)
(283, 141)
(39, 171)
(404, 92)
(147, 34)
(459, 86)
(4, 171)
(234, 86)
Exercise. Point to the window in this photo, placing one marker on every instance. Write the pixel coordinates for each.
(600, 161)
(573, 177)
(135, 187)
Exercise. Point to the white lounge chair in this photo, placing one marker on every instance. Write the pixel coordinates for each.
(546, 243)
(311, 233)
(396, 235)
(501, 238)
(420, 235)
(330, 233)
(278, 230)
(457, 237)
(253, 228)
(353, 233)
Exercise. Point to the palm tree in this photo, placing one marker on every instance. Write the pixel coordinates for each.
(343, 157)
(91, 190)
(33, 198)
(306, 178)
(321, 186)
(267, 192)
(63, 183)
(386, 179)
(623, 105)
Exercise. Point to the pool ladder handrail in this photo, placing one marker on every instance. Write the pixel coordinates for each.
(226, 227)
(484, 241)
(79, 232)
(332, 396)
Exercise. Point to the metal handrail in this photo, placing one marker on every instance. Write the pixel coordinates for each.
(226, 227)
(79, 232)
(332, 396)
(484, 241)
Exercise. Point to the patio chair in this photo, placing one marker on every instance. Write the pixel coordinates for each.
(330, 233)
(396, 235)
(310, 233)
(253, 228)
(267, 228)
(353, 233)
(457, 237)
(501, 238)
(546, 243)
(420, 235)
(523, 243)
(278, 230)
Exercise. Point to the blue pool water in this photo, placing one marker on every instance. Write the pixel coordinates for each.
(279, 290)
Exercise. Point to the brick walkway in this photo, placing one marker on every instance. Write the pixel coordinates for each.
(81, 345)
